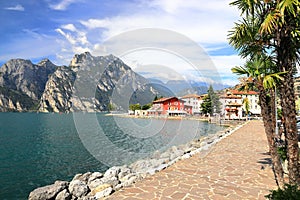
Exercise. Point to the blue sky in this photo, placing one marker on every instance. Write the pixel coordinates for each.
(58, 29)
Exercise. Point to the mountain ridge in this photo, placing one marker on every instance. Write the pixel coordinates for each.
(90, 84)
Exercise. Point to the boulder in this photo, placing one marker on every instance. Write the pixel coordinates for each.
(130, 181)
(82, 177)
(64, 195)
(102, 191)
(78, 188)
(124, 170)
(110, 180)
(49, 191)
(112, 172)
(94, 176)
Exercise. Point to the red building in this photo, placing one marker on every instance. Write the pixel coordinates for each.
(171, 106)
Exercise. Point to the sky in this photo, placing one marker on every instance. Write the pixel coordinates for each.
(59, 29)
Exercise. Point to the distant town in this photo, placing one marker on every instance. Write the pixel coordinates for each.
(234, 104)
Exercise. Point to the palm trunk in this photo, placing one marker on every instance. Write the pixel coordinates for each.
(291, 136)
(268, 114)
(286, 63)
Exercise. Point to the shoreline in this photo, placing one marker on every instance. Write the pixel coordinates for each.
(97, 185)
(222, 122)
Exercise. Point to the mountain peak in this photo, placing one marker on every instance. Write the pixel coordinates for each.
(45, 62)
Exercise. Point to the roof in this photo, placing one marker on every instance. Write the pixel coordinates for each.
(236, 92)
(161, 100)
(191, 96)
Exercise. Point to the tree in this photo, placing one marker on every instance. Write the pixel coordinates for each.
(134, 107)
(111, 107)
(146, 106)
(211, 102)
(215, 100)
(259, 75)
(246, 103)
(206, 105)
(272, 27)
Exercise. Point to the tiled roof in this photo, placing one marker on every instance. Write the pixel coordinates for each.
(191, 96)
(166, 99)
(236, 92)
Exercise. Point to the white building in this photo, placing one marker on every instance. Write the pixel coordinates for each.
(253, 98)
(194, 101)
(231, 106)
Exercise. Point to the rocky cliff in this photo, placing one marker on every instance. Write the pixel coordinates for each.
(93, 83)
(89, 83)
(22, 84)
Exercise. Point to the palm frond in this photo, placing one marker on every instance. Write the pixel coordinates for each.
(288, 5)
(271, 22)
(246, 6)
(240, 70)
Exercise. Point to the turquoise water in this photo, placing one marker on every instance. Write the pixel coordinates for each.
(37, 149)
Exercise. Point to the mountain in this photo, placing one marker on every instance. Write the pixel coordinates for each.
(89, 84)
(184, 87)
(22, 83)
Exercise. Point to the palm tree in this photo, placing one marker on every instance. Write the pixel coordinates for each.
(272, 27)
(264, 80)
(246, 103)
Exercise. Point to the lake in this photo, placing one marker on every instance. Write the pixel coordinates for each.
(37, 148)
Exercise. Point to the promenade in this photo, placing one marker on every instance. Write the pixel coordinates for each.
(238, 167)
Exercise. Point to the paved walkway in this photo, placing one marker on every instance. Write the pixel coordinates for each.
(235, 168)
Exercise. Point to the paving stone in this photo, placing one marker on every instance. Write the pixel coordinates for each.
(229, 169)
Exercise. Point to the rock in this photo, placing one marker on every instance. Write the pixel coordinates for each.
(95, 183)
(176, 154)
(130, 181)
(64, 195)
(94, 176)
(185, 156)
(101, 191)
(127, 177)
(82, 177)
(123, 172)
(48, 192)
(112, 172)
(78, 188)
(113, 181)
(140, 165)
(110, 180)
(104, 193)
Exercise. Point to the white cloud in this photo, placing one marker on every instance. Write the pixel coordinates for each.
(17, 7)
(63, 5)
(69, 37)
(96, 23)
(69, 27)
(205, 22)
(202, 21)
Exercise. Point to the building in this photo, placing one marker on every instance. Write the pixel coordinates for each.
(231, 106)
(170, 106)
(141, 113)
(194, 101)
(253, 98)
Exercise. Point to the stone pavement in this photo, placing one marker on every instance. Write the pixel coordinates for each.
(235, 168)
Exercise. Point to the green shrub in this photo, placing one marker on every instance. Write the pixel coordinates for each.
(289, 192)
(282, 152)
